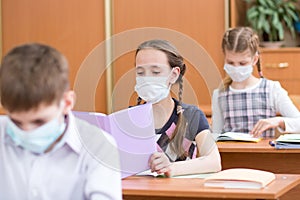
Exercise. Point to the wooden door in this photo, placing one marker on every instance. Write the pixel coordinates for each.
(74, 27)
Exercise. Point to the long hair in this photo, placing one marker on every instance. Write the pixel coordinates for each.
(175, 60)
(238, 40)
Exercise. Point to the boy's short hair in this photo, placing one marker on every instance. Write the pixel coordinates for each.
(31, 75)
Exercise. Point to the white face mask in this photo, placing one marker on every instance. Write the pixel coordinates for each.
(239, 73)
(152, 88)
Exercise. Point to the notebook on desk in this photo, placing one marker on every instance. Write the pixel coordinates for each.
(236, 136)
(133, 130)
(241, 178)
(288, 141)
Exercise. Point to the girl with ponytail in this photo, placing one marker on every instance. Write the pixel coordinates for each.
(184, 142)
(245, 103)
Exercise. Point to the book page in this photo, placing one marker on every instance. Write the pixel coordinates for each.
(247, 178)
(154, 174)
(237, 136)
(134, 131)
(292, 138)
(92, 118)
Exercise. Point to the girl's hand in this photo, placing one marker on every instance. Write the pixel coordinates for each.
(160, 163)
(265, 124)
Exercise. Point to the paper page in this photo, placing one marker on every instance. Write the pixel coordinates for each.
(154, 174)
(246, 177)
(293, 137)
(234, 184)
(149, 173)
(91, 117)
(134, 132)
(201, 176)
(237, 136)
(133, 129)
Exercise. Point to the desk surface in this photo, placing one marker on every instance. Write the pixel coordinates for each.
(259, 147)
(261, 156)
(185, 188)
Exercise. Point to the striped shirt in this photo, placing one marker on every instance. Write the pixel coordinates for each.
(196, 121)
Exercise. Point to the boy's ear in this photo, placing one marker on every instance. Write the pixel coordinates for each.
(69, 101)
(174, 75)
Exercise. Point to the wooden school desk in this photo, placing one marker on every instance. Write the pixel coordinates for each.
(261, 156)
(143, 187)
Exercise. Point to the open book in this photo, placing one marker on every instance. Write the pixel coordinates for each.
(288, 141)
(154, 174)
(236, 136)
(240, 178)
(133, 130)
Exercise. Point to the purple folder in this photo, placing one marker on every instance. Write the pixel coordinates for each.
(133, 130)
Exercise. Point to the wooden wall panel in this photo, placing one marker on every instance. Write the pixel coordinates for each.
(74, 27)
(237, 13)
(202, 21)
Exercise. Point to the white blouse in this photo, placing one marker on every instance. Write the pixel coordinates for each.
(279, 100)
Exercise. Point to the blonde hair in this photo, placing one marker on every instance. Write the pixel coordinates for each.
(238, 40)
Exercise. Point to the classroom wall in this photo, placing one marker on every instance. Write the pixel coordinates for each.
(77, 29)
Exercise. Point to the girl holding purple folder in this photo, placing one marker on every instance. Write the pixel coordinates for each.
(185, 144)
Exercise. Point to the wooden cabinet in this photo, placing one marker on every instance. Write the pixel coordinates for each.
(283, 65)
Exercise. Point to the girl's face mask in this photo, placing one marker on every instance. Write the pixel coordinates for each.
(239, 73)
(152, 89)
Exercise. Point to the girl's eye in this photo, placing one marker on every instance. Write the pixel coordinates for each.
(140, 73)
(155, 73)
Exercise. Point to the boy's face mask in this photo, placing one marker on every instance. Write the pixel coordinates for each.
(239, 73)
(39, 139)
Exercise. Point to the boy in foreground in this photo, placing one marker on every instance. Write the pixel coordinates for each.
(45, 152)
